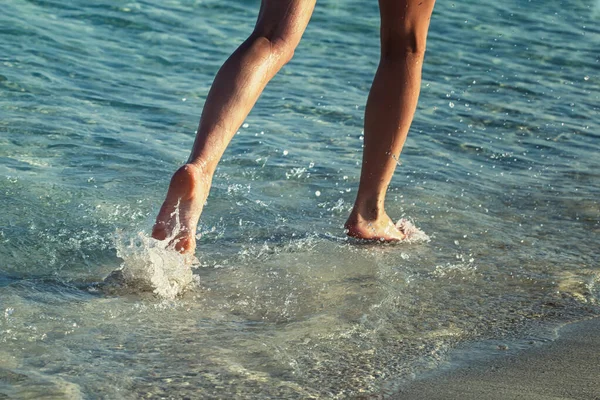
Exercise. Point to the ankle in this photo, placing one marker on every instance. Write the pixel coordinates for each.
(368, 210)
(198, 165)
(192, 177)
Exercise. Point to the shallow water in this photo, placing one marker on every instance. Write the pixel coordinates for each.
(98, 106)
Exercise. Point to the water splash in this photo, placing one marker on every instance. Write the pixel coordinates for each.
(152, 265)
(413, 234)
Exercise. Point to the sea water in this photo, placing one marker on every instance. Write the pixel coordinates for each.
(99, 102)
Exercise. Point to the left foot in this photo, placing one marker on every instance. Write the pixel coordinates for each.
(381, 228)
(179, 214)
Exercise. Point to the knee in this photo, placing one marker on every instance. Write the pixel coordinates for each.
(400, 44)
(277, 49)
(284, 50)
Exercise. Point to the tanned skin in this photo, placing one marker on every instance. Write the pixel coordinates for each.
(242, 78)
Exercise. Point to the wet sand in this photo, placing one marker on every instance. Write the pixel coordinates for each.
(567, 368)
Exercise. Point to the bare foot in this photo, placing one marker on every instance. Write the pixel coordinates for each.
(179, 214)
(381, 228)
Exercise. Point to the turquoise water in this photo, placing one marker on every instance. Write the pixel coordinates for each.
(99, 102)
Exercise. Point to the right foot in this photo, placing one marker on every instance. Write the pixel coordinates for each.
(178, 217)
(381, 228)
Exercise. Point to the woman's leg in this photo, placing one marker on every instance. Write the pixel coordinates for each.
(390, 108)
(236, 88)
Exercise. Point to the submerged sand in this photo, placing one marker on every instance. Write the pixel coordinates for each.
(567, 368)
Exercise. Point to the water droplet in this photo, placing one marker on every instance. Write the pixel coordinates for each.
(245, 125)
(317, 193)
(586, 78)
(285, 152)
(451, 105)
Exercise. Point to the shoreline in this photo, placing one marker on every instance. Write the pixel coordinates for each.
(567, 367)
